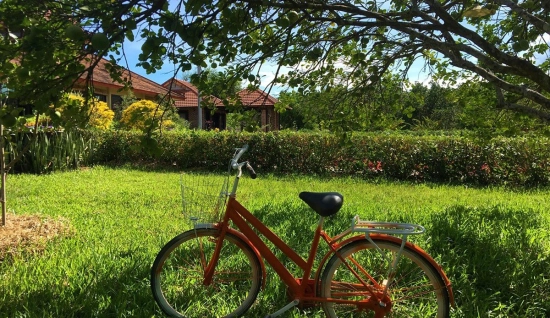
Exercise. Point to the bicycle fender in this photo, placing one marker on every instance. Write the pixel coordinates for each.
(260, 258)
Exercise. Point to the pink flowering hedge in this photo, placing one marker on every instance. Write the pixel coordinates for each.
(449, 159)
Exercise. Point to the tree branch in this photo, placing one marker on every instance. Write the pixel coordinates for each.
(520, 108)
(535, 21)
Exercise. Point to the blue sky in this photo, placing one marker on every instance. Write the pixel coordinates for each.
(133, 49)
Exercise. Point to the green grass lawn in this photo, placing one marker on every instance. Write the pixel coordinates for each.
(493, 243)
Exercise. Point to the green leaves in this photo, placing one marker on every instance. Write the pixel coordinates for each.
(191, 34)
(150, 145)
(315, 54)
(520, 45)
(282, 22)
(356, 44)
(8, 120)
(186, 67)
(129, 35)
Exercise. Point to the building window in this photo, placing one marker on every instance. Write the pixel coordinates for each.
(116, 101)
(101, 98)
(184, 113)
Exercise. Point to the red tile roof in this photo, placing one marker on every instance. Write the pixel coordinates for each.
(140, 84)
(190, 92)
(256, 98)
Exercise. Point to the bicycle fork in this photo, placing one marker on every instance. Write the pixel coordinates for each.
(209, 265)
(379, 300)
(376, 302)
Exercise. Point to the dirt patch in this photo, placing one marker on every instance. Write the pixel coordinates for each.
(29, 234)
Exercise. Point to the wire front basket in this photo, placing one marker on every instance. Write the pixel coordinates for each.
(203, 197)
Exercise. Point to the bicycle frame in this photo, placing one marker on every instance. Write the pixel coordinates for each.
(302, 289)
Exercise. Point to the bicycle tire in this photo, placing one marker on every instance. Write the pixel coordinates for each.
(417, 289)
(177, 276)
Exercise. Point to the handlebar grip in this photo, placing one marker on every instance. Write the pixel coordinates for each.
(253, 174)
(238, 155)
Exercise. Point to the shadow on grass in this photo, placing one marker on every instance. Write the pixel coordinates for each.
(495, 259)
(120, 293)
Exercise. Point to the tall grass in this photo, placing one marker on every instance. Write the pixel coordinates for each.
(493, 243)
(50, 151)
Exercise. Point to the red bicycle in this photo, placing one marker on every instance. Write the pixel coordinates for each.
(217, 270)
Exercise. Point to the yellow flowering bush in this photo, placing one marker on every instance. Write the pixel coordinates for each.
(74, 111)
(143, 114)
(101, 116)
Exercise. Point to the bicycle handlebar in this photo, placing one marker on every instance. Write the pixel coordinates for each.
(238, 154)
(236, 165)
(251, 171)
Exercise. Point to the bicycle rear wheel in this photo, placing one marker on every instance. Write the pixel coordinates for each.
(416, 288)
(178, 271)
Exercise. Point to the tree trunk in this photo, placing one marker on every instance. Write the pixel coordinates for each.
(3, 175)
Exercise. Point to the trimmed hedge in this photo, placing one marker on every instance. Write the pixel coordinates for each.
(450, 159)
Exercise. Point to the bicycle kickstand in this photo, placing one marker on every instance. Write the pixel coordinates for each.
(281, 311)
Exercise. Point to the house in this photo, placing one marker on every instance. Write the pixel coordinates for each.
(111, 92)
(188, 109)
(256, 100)
(184, 95)
(264, 104)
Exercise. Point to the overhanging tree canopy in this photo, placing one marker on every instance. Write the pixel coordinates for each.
(326, 43)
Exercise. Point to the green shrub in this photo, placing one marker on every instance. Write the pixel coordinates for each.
(449, 159)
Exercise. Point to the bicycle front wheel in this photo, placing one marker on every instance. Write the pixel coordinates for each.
(416, 289)
(178, 271)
